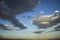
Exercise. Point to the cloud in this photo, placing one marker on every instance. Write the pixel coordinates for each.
(36, 31)
(10, 8)
(57, 28)
(6, 27)
(42, 31)
(3, 26)
(57, 11)
(52, 29)
(46, 21)
(47, 30)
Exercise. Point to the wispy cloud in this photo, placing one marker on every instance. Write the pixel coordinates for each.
(10, 27)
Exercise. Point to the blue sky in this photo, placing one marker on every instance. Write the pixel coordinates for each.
(48, 6)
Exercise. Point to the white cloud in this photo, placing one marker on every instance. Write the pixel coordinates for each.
(56, 11)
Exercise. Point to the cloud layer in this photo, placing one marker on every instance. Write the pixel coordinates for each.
(46, 21)
(47, 30)
(10, 8)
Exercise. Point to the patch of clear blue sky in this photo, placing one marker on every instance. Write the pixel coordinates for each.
(48, 6)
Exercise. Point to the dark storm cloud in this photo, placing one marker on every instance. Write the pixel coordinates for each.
(9, 9)
(21, 5)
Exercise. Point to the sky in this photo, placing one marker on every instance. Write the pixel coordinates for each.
(47, 6)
